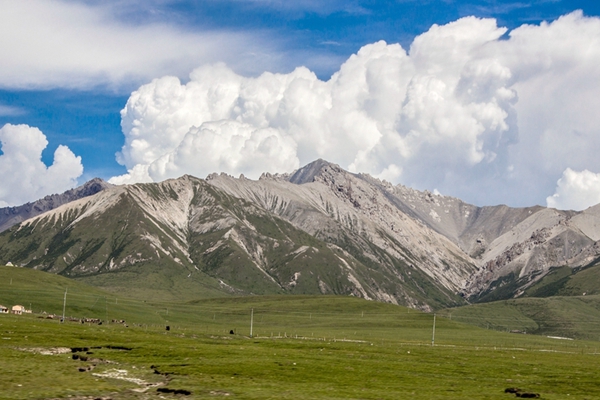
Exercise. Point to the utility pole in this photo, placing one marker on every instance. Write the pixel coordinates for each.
(251, 321)
(433, 333)
(64, 306)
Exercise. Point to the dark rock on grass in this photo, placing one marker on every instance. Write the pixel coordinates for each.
(521, 393)
(79, 349)
(119, 348)
(174, 391)
(83, 398)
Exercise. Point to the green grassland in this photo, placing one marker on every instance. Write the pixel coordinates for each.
(571, 316)
(566, 302)
(302, 347)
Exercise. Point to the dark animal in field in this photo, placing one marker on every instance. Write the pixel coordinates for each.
(231, 332)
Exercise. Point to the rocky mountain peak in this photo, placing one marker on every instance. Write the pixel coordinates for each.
(311, 171)
(89, 188)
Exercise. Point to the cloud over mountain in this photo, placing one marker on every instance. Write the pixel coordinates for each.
(466, 110)
(576, 190)
(24, 176)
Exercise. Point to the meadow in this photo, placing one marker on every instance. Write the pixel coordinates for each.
(301, 347)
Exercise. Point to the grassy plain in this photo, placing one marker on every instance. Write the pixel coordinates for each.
(569, 316)
(302, 347)
(566, 302)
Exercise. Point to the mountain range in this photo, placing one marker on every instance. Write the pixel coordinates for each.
(10, 216)
(318, 230)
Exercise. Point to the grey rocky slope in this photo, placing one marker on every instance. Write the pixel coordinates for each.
(516, 246)
(10, 216)
(347, 211)
(506, 245)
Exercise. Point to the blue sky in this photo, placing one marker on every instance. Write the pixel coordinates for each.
(77, 102)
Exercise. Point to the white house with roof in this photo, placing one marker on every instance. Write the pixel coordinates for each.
(18, 309)
(3, 310)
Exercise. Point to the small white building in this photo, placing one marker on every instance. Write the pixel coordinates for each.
(3, 310)
(18, 309)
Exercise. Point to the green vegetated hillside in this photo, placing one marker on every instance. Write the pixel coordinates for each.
(566, 281)
(559, 281)
(302, 347)
(80, 243)
(46, 294)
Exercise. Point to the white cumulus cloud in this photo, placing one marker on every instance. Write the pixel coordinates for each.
(379, 108)
(576, 190)
(464, 110)
(24, 176)
(61, 43)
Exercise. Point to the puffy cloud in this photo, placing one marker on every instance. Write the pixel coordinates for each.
(24, 176)
(576, 190)
(228, 146)
(465, 111)
(556, 74)
(61, 43)
(137, 174)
